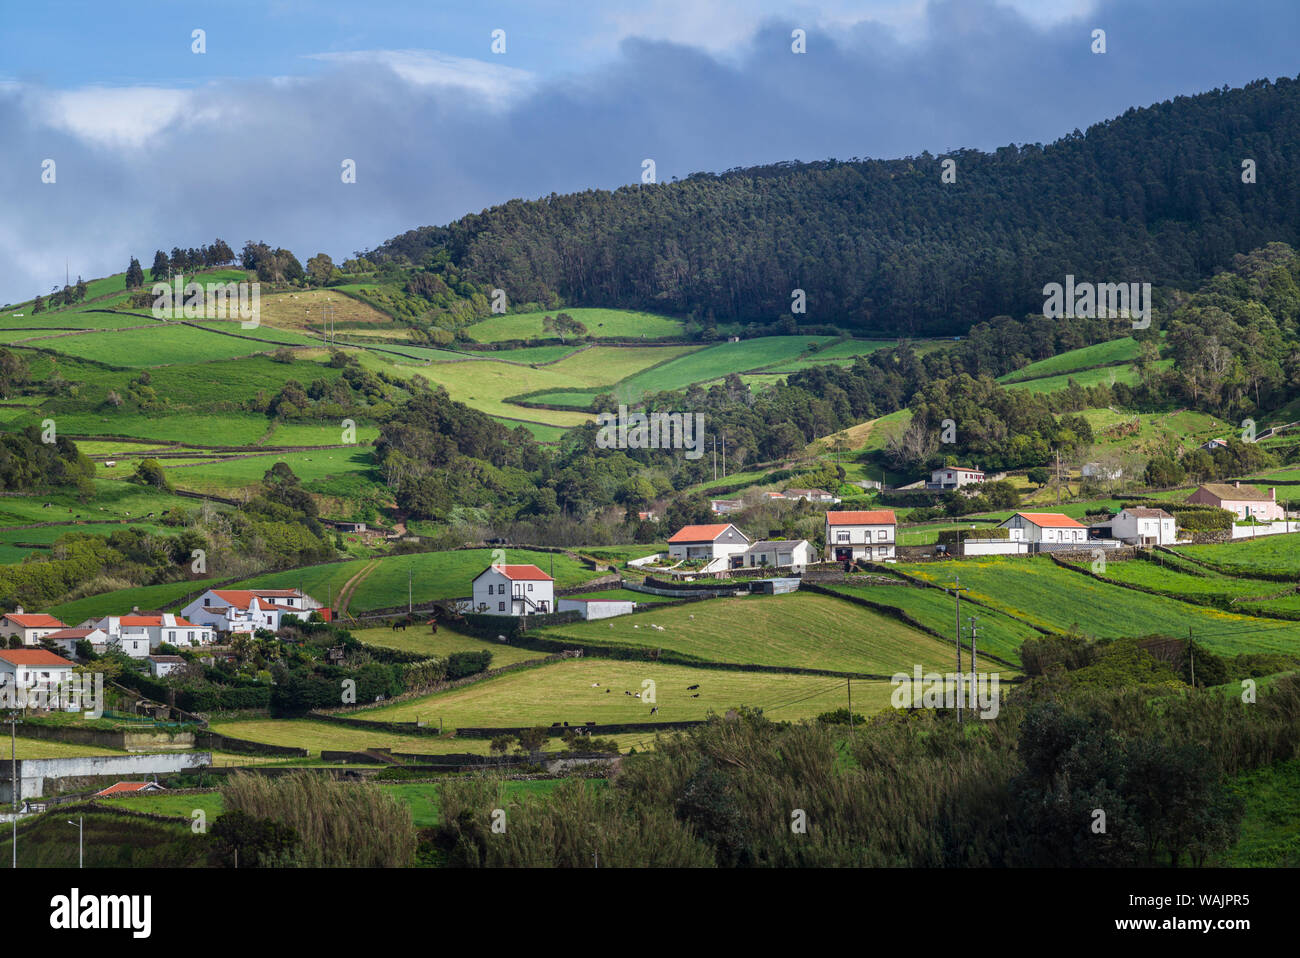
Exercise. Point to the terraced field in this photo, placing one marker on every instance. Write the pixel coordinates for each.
(1038, 592)
(568, 692)
(1271, 555)
(999, 634)
(600, 323)
(801, 630)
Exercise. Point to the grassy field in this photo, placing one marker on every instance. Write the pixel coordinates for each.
(1123, 350)
(1201, 583)
(12, 541)
(421, 797)
(1269, 837)
(170, 343)
(799, 630)
(112, 500)
(147, 597)
(1104, 376)
(45, 748)
(841, 354)
(564, 692)
(1037, 591)
(601, 323)
(436, 575)
(999, 634)
(226, 475)
(1271, 555)
(422, 640)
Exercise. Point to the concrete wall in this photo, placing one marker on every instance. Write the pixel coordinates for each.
(1276, 528)
(596, 609)
(37, 776)
(994, 547)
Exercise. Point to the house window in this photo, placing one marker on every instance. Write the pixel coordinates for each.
(207, 601)
(880, 534)
(530, 587)
(843, 536)
(191, 636)
(501, 606)
(171, 636)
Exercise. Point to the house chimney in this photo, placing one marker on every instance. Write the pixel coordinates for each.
(1237, 483)
(135, 610)
(1272, 493)
(18, 610)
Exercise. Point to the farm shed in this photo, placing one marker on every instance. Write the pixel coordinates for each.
(773, 586)
(596, 608)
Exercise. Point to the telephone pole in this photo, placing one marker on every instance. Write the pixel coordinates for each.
(850, 681)
(13, 773)
(956, 591)
(1191, 652)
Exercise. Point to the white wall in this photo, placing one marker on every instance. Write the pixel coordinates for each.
(597, 610)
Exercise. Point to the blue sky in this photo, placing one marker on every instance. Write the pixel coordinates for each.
(156, 146)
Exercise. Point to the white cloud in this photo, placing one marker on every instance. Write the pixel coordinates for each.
(113, 117)
(496, 84)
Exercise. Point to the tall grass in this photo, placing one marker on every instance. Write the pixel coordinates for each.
(338, 824)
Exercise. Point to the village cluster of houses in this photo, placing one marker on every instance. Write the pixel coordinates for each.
(214, 615)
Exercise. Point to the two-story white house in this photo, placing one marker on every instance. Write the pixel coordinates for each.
(247, 610)
(137, 634)
(862, 534)
(954, 477)
(1051, 528)
(513, 590)
(717, 541)
(1143, 527)
(30, 627)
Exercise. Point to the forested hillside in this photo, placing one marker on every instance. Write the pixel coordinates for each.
(1156, 195)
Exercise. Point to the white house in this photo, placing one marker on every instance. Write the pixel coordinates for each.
(780, 553)
(865, 534)
(1097, 470)
(596, 608)
(1045, 528)
(812, 495)
(33, 668)
(954, 477)
(246, 610)
(136, 634)
(31, 627)
(67, 639)
(709, 542)
(1143, 527)
(160, 665)
(514, 590)
(723, 506)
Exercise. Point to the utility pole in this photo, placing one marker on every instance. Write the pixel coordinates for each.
(850, 681)
(1058, 476)
(973, 678)
(956, 591)
(1191, 652)
(724, 455)
(410, 591)
(715, 458)
(13, 772)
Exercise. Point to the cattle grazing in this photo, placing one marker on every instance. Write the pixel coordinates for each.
(655, 710)
(696, 695)
(691, 688)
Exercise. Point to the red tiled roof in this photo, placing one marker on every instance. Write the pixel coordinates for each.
(530, 572)
(38, 620)
(153, 620)
(700, 533)
(70, 634)
(123, 787)
(1051, 520)
(240, 598)
(869, 517)
(32, 657)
